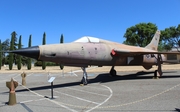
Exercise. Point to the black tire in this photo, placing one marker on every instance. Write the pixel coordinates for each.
(84, 81)
(155, 73)
(113, 73)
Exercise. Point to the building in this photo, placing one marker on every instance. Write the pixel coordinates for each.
(175, 58)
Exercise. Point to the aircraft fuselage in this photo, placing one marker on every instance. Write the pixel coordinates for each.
(84, 54)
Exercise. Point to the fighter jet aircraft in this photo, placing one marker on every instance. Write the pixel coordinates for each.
(94, 51)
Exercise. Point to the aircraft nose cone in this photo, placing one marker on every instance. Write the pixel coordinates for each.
(32, 52)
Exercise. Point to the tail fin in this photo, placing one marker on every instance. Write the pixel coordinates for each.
(153, 45)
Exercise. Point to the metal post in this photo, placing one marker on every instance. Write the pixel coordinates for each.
(51, 90)
(51, 81)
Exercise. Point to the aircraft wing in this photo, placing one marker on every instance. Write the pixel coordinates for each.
(120, 52)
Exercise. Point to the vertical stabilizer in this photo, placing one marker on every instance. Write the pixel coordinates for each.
(153, 45)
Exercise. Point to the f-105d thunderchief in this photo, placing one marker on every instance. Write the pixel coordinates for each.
(94, 51)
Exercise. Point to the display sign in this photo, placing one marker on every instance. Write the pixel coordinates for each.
(51, 79)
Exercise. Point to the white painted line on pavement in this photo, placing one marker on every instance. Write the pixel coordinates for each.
(17, 94)
(77, 97)
(111, 93)
(30, 74)
(87, 92)
(98, 88)
(32, 100)
(62, 105)
(57, 103)
(16, 75)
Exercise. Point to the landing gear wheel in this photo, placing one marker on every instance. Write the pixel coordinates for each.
(113, 73)
(156, 74)
(84, 81)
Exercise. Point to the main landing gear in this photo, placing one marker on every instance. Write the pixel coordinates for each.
(158, 72)
(112, 72)
(84, 80)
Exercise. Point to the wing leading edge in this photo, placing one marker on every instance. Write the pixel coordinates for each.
(116, 52)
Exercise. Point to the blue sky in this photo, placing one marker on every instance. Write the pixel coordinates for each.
(107, 19)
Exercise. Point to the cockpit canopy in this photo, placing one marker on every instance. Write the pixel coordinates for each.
(87, 39)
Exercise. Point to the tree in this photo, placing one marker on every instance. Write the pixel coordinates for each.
(5, 47)
(29, 59)
(171, 37)
(44, 42)
(140, 34)
(11, 56)
(18, 56)
(0, 55)
(61, 41)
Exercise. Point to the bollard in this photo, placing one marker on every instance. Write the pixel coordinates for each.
(12, 95)
(23, 75)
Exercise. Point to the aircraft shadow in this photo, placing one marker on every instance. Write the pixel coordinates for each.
(177, 110)
(103, 78)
